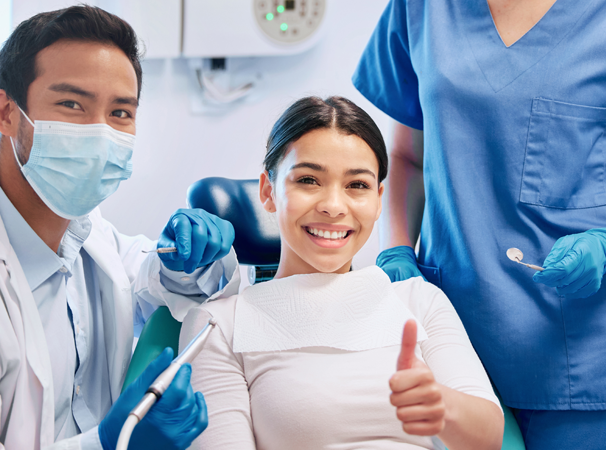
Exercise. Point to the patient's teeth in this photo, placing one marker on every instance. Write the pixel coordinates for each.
(326, 234)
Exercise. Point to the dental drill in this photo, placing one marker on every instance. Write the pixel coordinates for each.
(160, 384)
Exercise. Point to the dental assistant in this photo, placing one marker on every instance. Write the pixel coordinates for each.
(500, 144)
(73, 287)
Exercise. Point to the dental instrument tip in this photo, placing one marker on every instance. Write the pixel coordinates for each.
(162, 250)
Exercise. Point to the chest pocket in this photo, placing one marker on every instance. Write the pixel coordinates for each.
(565, 156)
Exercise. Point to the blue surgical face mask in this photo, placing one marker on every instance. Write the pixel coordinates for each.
(73, 167)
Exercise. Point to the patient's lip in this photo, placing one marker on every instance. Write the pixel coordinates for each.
(328, 226)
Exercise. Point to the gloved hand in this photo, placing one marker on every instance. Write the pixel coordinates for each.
(399, 263)
(172, 423)
(576, 264)
(200, 238)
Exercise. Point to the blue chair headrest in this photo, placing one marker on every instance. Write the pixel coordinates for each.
(257, 241)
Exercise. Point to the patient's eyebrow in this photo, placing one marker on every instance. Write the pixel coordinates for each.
(73, 89)
(309, 165)
(360, 171)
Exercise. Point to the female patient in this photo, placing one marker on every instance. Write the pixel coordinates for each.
(307, 360)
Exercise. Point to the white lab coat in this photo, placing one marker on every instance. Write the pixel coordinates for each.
(26, 388)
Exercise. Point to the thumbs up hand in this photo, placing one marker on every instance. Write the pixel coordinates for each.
(415, 393)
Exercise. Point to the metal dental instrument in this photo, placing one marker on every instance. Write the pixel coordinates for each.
(161, 250)
(160, 384)
(516, 255)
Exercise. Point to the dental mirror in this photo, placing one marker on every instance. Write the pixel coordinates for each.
(516, 255)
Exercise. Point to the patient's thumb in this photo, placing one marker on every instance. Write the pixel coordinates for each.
(407, 357)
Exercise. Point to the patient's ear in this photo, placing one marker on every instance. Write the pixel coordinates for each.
(380, 208)
(266, 193)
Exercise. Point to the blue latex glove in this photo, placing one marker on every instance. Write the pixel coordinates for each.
(200, 238)
(400, 263)
(172, 423)
(576, 264)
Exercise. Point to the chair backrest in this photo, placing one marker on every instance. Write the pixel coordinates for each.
(257, 241)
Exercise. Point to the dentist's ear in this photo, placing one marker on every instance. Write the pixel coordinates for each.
(9, 116)
(266, 193)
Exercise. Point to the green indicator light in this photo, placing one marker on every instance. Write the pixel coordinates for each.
(284, 27)
(280, 9)
(269, 16)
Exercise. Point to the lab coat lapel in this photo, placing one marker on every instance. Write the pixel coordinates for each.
(33, 396)
(117, 303)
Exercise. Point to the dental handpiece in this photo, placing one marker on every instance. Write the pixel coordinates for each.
(160, 384)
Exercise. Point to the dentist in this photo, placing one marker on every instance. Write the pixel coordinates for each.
(70, 82)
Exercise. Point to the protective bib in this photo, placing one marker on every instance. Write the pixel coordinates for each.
(355, 311)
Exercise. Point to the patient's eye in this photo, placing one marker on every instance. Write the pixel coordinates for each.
(307, 180)
(358, 185)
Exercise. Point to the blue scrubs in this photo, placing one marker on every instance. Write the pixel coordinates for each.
(515, 156)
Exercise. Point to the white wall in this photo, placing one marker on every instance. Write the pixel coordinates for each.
(175, 148)
(5, 19)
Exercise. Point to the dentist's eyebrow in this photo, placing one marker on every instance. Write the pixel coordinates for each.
(360, 171)
(308, 165)
(72, 89)
(126, 101)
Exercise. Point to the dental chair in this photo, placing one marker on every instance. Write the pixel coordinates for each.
(257, 245)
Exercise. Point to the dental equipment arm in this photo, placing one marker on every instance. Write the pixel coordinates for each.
(161, 384)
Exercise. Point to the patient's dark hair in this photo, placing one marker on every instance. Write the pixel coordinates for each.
(79, 23)
(312, 113)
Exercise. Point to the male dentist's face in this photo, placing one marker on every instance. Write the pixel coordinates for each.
(81, 82)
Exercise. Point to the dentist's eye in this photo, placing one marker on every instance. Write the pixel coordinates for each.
(358, 185)
(71, 105)
(121, 114)
(307, 180)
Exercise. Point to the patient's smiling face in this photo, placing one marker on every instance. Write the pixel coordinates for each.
(327, 197)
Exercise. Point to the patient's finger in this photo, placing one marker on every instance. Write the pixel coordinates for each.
(409, 341)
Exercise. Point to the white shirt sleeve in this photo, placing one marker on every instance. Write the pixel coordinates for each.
(91, 440)
(220, 280)
(219, 374)
(85, 441)
(448, 351)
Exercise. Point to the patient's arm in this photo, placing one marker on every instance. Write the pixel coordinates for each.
(472, 418)
(218, 374)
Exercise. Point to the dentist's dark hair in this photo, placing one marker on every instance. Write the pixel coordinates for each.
(312, 113)
(76, 23)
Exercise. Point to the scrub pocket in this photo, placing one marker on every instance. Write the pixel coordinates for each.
(565, 156)
(431, 274)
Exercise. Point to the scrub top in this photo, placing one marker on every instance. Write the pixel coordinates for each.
(515, 156)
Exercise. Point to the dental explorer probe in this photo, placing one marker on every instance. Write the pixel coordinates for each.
(160, 384)
(516, 255)
(162, 250)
